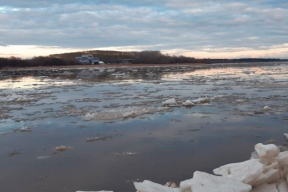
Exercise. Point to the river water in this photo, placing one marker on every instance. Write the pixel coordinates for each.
(116, 130)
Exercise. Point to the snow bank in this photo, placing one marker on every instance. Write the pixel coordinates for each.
(267, 172)
(122, 113)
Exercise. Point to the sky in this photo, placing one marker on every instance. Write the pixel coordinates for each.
(196, 28)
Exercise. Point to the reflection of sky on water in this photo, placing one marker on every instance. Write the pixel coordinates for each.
(276, 72)
(170, 145)
(32, 82)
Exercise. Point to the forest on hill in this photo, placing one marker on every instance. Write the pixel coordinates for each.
(143, 57)
(152, 57)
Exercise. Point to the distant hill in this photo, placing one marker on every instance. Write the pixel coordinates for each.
(152, 57)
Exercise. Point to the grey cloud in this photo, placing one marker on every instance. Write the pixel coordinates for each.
(167, 24)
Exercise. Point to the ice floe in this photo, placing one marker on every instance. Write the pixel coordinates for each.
(266, 108)
(94, 191)
(188, 103)
(267, 151)
(204, 182)
(201, 100)
(16, 97)
(149, 186)
(122, 113)
(61, 148)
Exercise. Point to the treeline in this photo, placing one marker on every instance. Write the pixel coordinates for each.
(156, 57)
(143, 57)
(105, 56)
(242, 60)
(34, 62)
(151, 57)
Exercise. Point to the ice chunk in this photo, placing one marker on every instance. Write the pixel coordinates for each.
(204, 182)
(170, 102)
(188, 103)
(245, 171)
(102, 138)
(94, 191)
(43, 157)
(265, 188)
(16, 97)
(61, 148)
(254, 155)
(282, 159)
(148, 186)
(282, 186)
(25, 129)
(266, 108)
(126, 154)
(122, 113)
(271, 176)
(171, 184)
(201, 100)
(286, 135)
(186, 185)
(267, 151)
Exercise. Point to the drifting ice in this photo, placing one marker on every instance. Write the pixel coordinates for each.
(170, 103)
(266, 108)
(122, 113)
(201, 100)
(188, 103)
(15, 97)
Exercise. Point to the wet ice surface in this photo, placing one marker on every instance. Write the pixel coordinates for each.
(117, 131)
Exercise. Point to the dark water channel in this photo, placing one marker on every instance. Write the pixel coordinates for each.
(138, 138)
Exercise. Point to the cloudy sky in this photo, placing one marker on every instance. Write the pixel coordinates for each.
(198, 28)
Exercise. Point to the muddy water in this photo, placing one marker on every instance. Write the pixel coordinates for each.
(113, 150)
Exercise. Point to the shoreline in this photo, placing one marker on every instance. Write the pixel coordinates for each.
(127, 69)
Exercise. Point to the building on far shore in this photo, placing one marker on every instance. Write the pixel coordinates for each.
(88, 59)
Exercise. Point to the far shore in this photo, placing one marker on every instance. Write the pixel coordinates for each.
(104, 66)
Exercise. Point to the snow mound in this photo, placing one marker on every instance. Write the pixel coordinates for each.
(122, 113)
